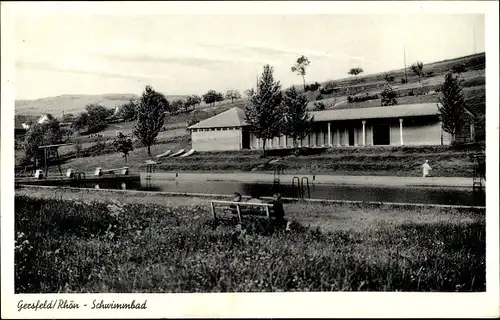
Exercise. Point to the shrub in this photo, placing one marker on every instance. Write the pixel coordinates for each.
(389, 77)
(319, 106)
(403, 80)
(353, 99)
(388, 96)
(459, 68)
(319, 97)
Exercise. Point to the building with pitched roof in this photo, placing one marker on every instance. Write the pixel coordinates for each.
(410, 124)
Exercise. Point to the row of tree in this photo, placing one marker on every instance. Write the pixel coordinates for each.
(272, 112)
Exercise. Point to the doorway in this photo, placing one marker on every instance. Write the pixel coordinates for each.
(381, 135)
(245, 139)
(351, 136)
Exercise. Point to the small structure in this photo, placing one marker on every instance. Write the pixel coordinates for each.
(52, 150)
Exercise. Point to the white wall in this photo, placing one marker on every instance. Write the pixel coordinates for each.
(216, 140)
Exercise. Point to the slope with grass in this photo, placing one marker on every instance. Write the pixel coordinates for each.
(85, 246)
(75, 103)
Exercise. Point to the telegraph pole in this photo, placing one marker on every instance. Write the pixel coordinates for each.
(474, 38)
(404, 55)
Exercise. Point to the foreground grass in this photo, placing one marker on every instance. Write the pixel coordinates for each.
(99, 246)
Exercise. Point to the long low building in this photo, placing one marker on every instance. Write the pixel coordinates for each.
(410, 124)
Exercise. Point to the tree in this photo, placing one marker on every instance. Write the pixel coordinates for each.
(355, 71)
(389, 77)
(80, 122)
(97, 115)
(150, 116)
(193, 100)
(40, 134)
(123, 144)
(249, 93)
(66, 132)
(453, 107)
(219, 97)
(128, 111)
(192, 120)
(232, 94)
(319, 106)
(177, 105)
(388, 96)
(418, 69)
(459, 68)
(263, 113)
(297, 121)
(68, 117)
(300, 68)
(210, 97)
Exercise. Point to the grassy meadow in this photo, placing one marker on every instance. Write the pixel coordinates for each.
(446, 161)
(89, 244)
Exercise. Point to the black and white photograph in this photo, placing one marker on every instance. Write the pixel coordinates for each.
(260, 151)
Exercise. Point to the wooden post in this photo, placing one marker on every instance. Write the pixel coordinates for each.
(58, 161)
(401, 130)
(213, 211)
(268, 215)
(329, 136)
(239, 213)
(364, 133)
(46, 164)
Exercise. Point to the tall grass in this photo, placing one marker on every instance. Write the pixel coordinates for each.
(71, 246)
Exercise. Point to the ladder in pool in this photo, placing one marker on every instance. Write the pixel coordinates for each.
(299, 189)
(479, 174)
(278, 171)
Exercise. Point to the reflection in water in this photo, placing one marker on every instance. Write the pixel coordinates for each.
(334, 192)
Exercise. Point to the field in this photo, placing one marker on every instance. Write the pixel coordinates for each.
(95, 245)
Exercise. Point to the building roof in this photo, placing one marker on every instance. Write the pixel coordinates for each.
(234, 117)
(397, 111)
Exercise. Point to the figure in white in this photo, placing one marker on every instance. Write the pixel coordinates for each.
(426, 168)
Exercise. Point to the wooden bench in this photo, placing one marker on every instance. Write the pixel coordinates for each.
(265, 208)
(100, 171)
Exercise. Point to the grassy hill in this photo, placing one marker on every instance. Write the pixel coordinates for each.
(74, 103)
(474, 90)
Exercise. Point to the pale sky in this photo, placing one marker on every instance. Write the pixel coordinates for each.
(182, 54)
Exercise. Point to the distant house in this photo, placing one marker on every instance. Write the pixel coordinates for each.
(411, 124)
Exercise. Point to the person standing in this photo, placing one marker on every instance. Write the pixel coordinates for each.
(426, 168)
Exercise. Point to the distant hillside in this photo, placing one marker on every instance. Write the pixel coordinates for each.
(73, 103)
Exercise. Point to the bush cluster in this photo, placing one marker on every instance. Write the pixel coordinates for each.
(366, 97)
